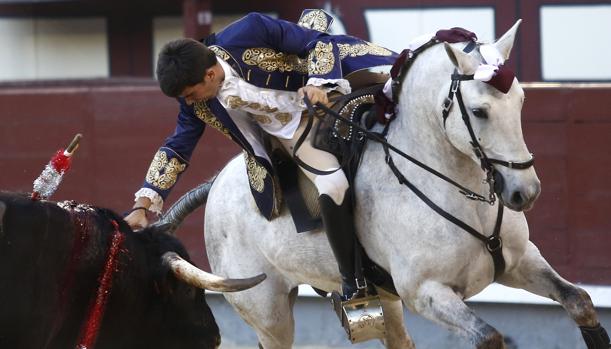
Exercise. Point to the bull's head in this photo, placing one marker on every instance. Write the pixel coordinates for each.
(187, 321)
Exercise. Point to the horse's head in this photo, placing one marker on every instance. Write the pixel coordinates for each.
(490, 119)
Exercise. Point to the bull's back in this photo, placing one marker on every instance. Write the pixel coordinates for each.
(35, 247)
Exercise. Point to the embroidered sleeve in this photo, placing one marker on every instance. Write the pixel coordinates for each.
(164, 171)
(172, 158)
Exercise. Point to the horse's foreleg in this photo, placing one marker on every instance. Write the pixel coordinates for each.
(269, 310)
(439, 303)
(535, 275)
(396, 334)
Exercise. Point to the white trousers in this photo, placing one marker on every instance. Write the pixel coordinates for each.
(334, 185)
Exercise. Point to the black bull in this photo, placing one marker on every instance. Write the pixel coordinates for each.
(51, 259)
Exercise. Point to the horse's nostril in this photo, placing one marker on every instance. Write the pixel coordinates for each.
(517, 198)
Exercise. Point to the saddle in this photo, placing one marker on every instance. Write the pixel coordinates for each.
(335, 137)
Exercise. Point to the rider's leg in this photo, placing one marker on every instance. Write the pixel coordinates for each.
(335, 203)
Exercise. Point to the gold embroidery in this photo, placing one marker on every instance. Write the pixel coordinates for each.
(321, 59)
(256, 173)
(203, 113)
(219, 52)
(254, 105)
(346, 50)
(171, 169)
(262, 119)
(235, 102)
(284, 118)
(314, 20)
(270, 60)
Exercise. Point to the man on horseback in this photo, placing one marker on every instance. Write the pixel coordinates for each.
(252, 76)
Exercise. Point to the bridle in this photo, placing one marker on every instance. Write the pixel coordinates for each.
(492, 242)
(494, 179)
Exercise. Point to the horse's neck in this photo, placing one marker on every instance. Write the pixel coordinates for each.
(419, 128)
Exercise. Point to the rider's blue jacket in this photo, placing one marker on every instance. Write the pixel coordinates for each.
(268, 53)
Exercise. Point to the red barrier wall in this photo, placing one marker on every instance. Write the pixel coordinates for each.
(567, 127)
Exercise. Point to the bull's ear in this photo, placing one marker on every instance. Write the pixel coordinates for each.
(465, 63)
(505, 43)
(2, 211)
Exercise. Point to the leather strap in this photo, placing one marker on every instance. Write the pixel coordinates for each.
(493, 242)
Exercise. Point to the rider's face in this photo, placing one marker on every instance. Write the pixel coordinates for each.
(208, 88)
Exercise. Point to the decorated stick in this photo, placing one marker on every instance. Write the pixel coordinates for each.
(46, 184)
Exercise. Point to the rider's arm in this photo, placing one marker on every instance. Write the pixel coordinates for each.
(170, 160)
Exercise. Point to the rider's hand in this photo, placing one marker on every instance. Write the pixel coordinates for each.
(314, 93)
(136, 219)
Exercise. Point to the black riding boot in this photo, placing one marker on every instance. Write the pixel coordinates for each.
(339, 225)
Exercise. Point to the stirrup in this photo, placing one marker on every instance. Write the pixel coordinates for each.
(361, 316)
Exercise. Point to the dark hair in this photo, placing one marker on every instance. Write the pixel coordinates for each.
(182, 63)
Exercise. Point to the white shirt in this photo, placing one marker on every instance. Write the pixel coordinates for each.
(277, 112)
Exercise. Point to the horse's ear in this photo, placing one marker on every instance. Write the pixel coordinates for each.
(505, 43)
(465, 63)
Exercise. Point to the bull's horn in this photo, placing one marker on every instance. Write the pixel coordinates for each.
(187, 203)
(196, 277)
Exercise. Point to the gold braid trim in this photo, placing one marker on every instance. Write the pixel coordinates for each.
(270, 60)
(284, 118)
(314, 20)
(346, 50)
(256, 173)
(235, 102)
(171, 169)
(262, 119)
(203, 113)
(219, 52)
(321, 59)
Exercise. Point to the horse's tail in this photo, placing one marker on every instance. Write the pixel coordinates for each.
(187, 203)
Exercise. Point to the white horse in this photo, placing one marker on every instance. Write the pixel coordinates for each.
(435, 265)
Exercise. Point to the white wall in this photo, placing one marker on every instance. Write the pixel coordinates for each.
(165, 29)
(39, 48)
(395, 28)
(575, 42)
(169, 28)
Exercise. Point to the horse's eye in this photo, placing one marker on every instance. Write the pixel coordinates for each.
(479, 113)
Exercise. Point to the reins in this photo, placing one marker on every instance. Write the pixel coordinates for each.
(493, 242)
